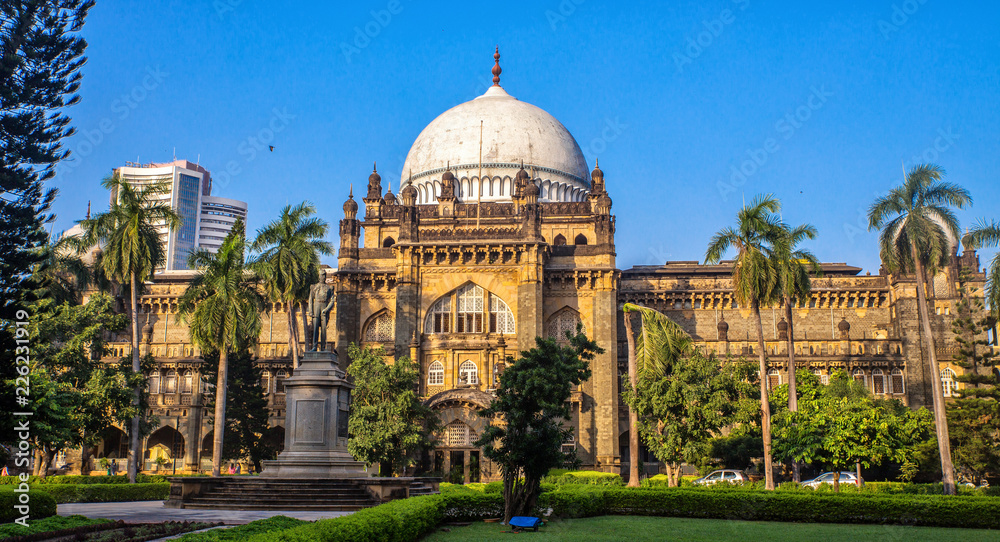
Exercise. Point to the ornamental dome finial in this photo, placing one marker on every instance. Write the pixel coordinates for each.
(496, 67)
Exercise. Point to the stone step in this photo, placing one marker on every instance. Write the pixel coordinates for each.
(288, 490)
(345, 501)
(244, 506)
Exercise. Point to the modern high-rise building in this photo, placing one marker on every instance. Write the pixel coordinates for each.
(205, 219)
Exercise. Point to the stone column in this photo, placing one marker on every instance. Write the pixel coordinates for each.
(605, 372)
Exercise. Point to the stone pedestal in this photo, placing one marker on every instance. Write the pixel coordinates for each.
(317, 398)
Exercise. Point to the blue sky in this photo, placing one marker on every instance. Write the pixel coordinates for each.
(690, 106)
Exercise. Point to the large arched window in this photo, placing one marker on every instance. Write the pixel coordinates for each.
(381, 328)
(265, 381)
(154, 382)
(187, 381)
(458, 435)
(470, 313)
(439, 317)
(279, 381)
(469, 309)
(170, 383)
(468, 373)
(896, 382)
(859, 376)
(948, 384)
(501, 318)
(878, 382)
(435, 374)
(773, 378)
(562, 322)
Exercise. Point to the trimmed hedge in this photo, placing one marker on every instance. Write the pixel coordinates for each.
(40, 505)
(66, 493)
(79, 479)
(242, 532)
(597, 478)
(49, 525)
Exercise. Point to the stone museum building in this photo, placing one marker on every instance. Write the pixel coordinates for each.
(502, 232)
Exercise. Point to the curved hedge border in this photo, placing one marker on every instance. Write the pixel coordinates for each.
(67, 493)
(41, 505)
(80, 479)
(408, 520)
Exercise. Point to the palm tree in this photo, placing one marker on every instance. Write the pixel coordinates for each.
(987, 234)
(289, 262)
(794, 284)
(131, 252)
(222, 307)
(660, 345)
(61, 275)
(918, 226)
(755, 282)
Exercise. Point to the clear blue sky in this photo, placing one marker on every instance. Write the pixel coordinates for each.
(670, 96)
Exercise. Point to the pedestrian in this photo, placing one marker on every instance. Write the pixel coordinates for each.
(114, 467)
(239, 468)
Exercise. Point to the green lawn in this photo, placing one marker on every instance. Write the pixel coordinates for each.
(639, 529)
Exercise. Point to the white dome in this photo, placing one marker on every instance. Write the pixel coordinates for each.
(513, 132)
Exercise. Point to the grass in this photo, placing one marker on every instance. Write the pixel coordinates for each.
(640, 529)
(46, 525)
(242, 532)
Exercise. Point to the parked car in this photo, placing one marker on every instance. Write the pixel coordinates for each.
(725, 475)
(827, 478)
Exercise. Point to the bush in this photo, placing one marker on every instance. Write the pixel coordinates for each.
(48, 525)
(242, 532)
(606, 479)
(65, 493)
(40, 505)
(78, 479)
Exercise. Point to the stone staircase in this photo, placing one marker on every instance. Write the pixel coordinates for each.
(270, 494)
(259, 493)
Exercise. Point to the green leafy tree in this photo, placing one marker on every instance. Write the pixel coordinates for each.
(131, 252)
(388, 424)
(222, 306)
(917, 226)
(974, 417)
(755, 283)
(289, 262)
(41, 53)
(683, 408)
(526, 434)
(246, 408)
(840, 426)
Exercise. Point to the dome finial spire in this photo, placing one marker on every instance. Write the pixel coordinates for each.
(350, 193)
(374, 166)
(496, 67)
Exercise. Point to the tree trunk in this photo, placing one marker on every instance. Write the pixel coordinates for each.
(765, 406)
(857, 467)
(793, 399)
(633, 417)
(85, 457)
(293, 335)
(836, 481)
(940, 418)
(220, 411)
(134, 450)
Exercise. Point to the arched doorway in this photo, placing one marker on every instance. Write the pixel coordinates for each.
(454, 456)
(164, 450)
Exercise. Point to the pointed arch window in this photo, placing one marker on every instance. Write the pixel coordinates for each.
(773, 378)
(439, 317)
(381, 328)
(154, 382)
(562, 322)
(878, 382)
(279, 381)
(187, 382)
(859, 376)
(948, 383)
(896, 382)
(501, 318)
(435, 374)
(469, 309)
(265, 381)
(468, 373)
(170, 383)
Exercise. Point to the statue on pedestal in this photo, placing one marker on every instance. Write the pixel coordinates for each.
(321, 300)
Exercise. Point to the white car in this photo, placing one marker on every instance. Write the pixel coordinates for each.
(827, 478)
(726, 475)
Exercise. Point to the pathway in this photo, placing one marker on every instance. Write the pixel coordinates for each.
(154, 511)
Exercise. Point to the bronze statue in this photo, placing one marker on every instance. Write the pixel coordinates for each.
(321, 299)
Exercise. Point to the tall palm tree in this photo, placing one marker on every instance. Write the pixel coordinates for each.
(131, 252)
(918, 227)
(794, 267)
(987, 234)
(289, 261)
(755, 283)
(222, 307)
(661, 343)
